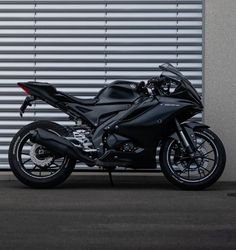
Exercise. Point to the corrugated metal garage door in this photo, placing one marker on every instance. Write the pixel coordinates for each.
(80, 46)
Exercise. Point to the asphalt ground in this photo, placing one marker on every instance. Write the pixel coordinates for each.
(139, 212)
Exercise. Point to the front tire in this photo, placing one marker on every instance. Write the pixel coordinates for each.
(198, 173)
(42, 171)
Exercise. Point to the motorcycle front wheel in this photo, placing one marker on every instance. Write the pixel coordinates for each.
(198, 172)
(33, 164)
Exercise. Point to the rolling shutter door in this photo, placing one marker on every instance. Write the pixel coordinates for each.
(80, 46)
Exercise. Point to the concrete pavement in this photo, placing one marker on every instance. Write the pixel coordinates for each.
(138, 213)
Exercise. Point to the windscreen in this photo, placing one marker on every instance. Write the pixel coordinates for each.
(171, 72)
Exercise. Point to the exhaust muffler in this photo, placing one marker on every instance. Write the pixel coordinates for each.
(59, 145)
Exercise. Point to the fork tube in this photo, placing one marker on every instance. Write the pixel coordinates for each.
(183, 138)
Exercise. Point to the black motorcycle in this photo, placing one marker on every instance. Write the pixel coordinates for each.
(122, 126)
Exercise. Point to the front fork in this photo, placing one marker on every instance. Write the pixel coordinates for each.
(187, 138)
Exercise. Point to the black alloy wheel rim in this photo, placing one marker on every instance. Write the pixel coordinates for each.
(197, 168)
(31, 168)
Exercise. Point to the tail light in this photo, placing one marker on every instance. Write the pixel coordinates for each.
(26, 90)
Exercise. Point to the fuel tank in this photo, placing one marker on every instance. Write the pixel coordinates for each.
(118, 92)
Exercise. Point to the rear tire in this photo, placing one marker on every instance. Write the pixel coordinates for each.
(25, 175)
(171, 170)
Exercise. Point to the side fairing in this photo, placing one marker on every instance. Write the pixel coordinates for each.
(97, 114)
(152, 120)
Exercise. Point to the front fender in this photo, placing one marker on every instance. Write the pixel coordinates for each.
(193, 125)
(189, 127)
(188, 130)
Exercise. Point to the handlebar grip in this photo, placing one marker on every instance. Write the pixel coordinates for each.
(141, 86)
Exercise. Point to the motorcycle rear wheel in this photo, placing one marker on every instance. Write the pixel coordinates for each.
(33, 169)
(195, 173)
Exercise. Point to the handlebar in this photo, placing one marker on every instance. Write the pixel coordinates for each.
(159, 85)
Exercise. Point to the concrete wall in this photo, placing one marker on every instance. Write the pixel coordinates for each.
(220, 76)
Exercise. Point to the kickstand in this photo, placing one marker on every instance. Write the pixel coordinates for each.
(110, 178)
